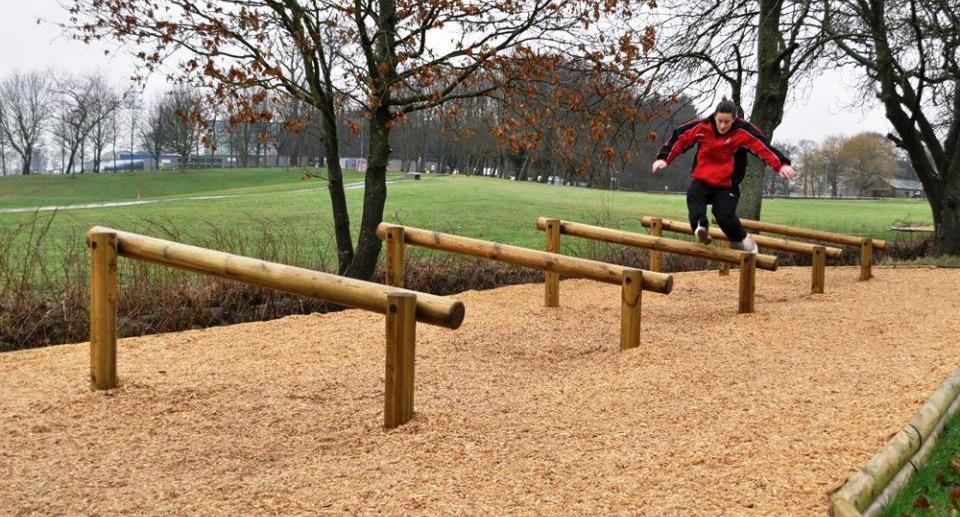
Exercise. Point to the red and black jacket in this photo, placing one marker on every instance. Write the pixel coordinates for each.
(721, 160)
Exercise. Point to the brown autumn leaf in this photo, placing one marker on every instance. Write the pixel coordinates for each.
(954, 464)
(921, 502)
(955, 497)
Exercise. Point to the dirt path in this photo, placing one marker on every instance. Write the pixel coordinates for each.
(524, 410)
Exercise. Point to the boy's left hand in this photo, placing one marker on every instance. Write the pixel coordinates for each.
(787, 172)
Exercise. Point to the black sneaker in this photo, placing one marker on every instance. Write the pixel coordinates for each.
(703, 234)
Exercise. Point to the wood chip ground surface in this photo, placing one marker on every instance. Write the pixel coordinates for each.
(523, 410)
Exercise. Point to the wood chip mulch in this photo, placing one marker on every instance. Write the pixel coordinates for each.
(523, 410)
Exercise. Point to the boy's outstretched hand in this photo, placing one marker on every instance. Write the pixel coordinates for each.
(787, 172)
(657, 165)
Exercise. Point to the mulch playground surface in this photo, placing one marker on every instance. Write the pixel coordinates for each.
(523, 410)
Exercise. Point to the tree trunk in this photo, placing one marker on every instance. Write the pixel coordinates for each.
(27, 158)
(767, 111)
(524, 169)
(364, 262)
(946, 239)
(338, 198)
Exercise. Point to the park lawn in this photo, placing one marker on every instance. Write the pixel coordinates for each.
(480, 207)
(57, 190)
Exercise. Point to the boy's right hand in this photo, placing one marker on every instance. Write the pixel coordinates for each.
(657, 165)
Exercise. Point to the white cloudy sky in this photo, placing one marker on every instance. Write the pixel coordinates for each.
(822, 108)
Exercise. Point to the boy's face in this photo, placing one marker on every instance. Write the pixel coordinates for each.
(724, 122)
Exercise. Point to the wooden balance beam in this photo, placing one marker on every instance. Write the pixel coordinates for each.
(819, 253)
(748, 262)
(403, 308)
(865, 244)
(632, 281)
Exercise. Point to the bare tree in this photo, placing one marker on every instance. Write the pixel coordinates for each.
(104, 101)
(78, 112)
(866, 158)
(380, 54)
(909, 51)
(26, 105)
(3, 153)
(151, 132)
(179, 122)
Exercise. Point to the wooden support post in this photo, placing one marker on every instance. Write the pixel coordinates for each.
(103, 310)
(866, 259)
(401, 348)
(818, 269)
(631, 297)
(656, 257)
(552, 280)
(748, 282)
(724, 267)
(396, 269)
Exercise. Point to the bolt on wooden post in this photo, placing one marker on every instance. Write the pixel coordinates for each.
(401, 349)
(656, 257)
(552, 280)
(631, 298)
(103, 310)
(724, 267)
(396, 269)
(748, 282)
(866, 259)
(818, 270)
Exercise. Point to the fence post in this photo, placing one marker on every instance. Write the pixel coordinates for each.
(656, 257)
(724, 267)
(103, 310)
(631, 297)
(866, 259)
(818, 269)
(401, 348)
(748, 281)
(396, 270)
(552, 280)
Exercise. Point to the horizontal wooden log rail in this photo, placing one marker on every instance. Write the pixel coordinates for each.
(535, 259)
(748, 262)
(809, 233)
(819, 253)
(402, 307)
(586, 231)
(866, 245)
(763, 241)
(632, 281)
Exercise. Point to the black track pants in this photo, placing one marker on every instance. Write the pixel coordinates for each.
(724, 201)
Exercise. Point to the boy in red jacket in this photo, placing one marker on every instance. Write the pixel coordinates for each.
(718, 168)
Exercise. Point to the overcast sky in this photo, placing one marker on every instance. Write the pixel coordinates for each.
(820, 109)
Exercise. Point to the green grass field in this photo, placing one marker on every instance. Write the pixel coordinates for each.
(47, 190)
(485, 208)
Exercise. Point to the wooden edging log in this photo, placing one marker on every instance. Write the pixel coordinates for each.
(632, 281)
(874, 486)
(402, 308)
(748, 262)
(818, 252)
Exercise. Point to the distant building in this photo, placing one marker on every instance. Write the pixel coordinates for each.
(881, 187)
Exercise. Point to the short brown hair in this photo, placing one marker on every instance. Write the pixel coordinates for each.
(727, 106)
